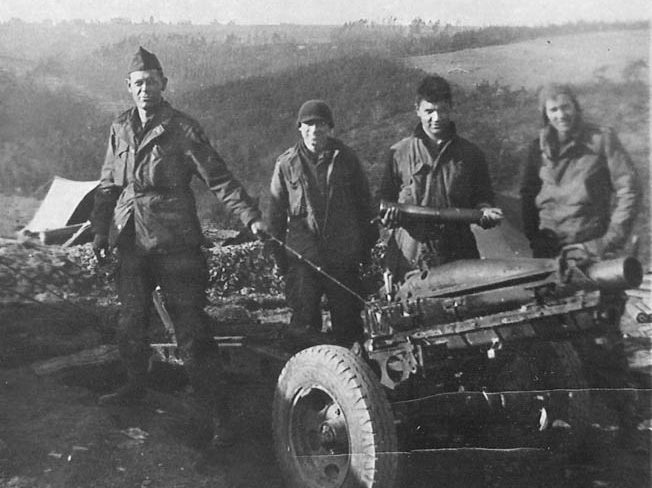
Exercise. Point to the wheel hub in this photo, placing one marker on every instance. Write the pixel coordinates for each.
(320, 439)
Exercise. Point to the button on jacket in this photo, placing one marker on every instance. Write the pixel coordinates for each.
(146, 180)
(584, 191)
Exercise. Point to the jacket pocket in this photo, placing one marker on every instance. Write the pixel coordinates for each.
(414, 184)
(166, 168)
(296, 197)
(121, 165)
(458, 179)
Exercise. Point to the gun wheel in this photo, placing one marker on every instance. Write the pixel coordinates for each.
(333, 426)
(554, 367)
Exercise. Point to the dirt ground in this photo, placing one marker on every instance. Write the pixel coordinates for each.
(53, 434)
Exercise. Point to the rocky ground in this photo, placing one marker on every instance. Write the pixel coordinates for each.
(53, 433)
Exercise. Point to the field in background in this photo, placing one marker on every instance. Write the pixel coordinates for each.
(577, 58)
(16, 211)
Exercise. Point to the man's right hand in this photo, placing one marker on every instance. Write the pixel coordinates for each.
(390, 218)
(491, 217)
(260, 229)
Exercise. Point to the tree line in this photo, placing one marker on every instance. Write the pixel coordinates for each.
(200, 58)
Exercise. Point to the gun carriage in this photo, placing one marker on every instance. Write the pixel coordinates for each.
(494, 336)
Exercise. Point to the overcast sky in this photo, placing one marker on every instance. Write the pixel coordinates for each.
(467, 12)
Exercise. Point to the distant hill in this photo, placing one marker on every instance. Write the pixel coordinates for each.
(577, 58)
(76, 38)
(92, 55)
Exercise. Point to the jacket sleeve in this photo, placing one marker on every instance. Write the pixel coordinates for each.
(106, 195)
(278, 205)
(483, 193)
(212, 169)
(390, 184)
(625, 193)
(530, 188)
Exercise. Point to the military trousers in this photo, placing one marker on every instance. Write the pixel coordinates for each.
(305, 288)
(182, 277)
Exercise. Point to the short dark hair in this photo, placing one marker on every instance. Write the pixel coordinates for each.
(434, 89)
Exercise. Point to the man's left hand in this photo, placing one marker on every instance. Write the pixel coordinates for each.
(491, 217)
(260, 229)
(584, 253)
(577, 253)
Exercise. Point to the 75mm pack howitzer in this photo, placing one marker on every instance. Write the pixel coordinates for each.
(494, 338)
(490, 303)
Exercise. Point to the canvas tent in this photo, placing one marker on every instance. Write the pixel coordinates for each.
(62, 217)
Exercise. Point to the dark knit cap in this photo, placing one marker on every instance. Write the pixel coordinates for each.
(143, 60)
(315, 110)
(434, 89)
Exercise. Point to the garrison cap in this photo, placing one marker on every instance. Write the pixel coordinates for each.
(143, 60)
(315, 110)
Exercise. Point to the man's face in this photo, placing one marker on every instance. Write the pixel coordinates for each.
(315, 134)
(561, 113)
(435, 117)
(146, 88)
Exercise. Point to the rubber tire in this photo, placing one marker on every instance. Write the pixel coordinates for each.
(349, 382)
(553, 366)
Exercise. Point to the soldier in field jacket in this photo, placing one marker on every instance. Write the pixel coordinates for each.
(579, 188)
(435, 167)
(321, 208)
(146, 209)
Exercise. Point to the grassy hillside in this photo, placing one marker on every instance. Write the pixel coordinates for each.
(577, 58)
(16, 213)
(45, 132)
(253, 121)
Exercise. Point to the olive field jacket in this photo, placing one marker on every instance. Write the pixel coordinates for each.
(149, 182)
(457, 176)
(345, 233)
(585, 194)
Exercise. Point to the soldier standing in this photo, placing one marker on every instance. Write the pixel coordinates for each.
(321, 207)
(579, 185)
(146, 209)
(435, 167)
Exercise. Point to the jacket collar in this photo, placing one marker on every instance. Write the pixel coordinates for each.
(584, 136)
(158, 126)
(420, 133)
(294, 156)
(424, 156)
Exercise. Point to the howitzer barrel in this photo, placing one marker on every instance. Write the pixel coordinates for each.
(616, 274)
(416, 213)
